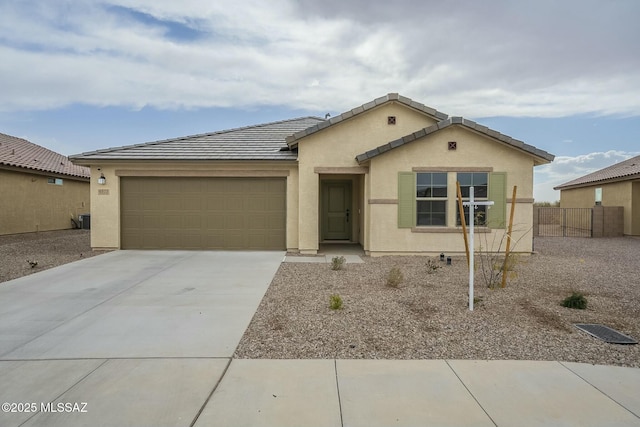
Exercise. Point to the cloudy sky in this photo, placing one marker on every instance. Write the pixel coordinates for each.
(79, 75)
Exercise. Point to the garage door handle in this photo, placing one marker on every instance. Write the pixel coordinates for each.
(347, 215)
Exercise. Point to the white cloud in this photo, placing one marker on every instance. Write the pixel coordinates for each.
(566, 168)
(505, 58)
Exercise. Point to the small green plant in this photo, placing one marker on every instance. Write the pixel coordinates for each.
(335, 302)
(432, 266)
(337, 262)
(575, 300)
(395, 277)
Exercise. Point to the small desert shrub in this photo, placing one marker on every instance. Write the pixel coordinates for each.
(335, 302)
(575, 300)
(432, 266)
(509, 264)
(395, 277)
(337, 262)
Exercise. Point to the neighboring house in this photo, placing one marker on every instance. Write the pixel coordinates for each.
(616, 185)
(41, 190)
(382, 175)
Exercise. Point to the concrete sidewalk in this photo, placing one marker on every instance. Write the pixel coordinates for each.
(422, 393)
(243, 392)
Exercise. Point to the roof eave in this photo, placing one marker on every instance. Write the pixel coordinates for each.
(569, 186)
(111, 160)
(43, 172)
(541, 157)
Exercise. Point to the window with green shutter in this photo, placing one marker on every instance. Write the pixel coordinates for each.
(423, 198)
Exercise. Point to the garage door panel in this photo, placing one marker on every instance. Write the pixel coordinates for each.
(234, 239)
(203, 213)
(191, 240)
(256, 241)
(258, 222)
(256, 204)
(274, 222)
(234, 202)
(151, 239)
(149, 203)
(275, 203)
(192, 202)
(235, 222)
(193, 221)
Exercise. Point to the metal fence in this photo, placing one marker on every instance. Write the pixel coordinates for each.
(564, 222)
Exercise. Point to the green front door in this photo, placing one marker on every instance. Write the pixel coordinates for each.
(336, 210)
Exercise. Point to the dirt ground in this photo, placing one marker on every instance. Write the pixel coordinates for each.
(48, 249)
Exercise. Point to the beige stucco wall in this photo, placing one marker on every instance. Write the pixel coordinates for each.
(635, 209)
(623, 193)
(105, 199)
(337, 146)
(474, 152)
(30, 204)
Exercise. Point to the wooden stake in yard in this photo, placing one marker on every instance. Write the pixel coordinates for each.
(508, 248)
(463, 221)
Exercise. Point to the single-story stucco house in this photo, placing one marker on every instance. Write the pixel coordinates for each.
(382, 175)
(41, 190)
(616, 185)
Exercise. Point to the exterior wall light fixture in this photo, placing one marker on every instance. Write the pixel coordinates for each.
(102, 180)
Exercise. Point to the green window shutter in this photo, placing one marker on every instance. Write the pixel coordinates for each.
(497, 214)
(406, 199)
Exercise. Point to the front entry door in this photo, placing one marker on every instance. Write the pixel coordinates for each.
(336, 210)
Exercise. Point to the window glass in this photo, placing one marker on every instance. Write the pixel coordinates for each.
(480, 183)
(478, 180)
(431, 186)
(431, 213)
(480, 215)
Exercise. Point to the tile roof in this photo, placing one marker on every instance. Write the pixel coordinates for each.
(257, 142)
(20, 153)
(628, 169)
(459, 121)
(437, 115)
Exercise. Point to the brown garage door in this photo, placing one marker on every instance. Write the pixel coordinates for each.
(203, 213)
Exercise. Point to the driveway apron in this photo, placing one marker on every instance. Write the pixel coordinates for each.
(131, 334)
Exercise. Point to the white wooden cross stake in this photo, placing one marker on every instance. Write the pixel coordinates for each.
(472, 206)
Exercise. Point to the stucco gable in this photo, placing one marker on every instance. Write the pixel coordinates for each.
(362, 109)
(540, 155)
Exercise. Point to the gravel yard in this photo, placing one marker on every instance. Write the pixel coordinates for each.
(47, 248)
(427, 316)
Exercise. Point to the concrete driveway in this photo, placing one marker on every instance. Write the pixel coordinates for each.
(141, 337)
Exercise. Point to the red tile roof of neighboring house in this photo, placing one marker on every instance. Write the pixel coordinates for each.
(628, 169)
(20, 153)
